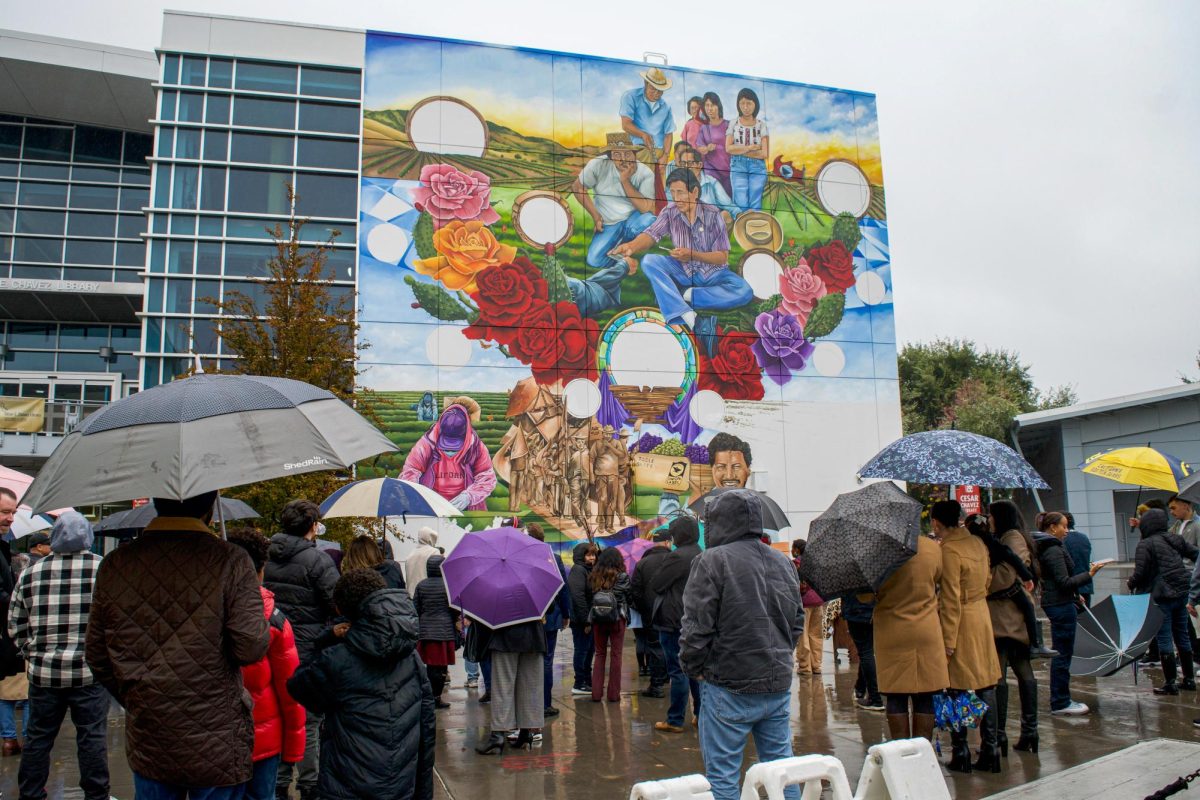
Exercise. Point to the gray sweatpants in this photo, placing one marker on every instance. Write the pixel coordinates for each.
(307, 769)
(517, 691)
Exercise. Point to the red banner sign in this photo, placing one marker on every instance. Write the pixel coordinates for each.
(970, 498)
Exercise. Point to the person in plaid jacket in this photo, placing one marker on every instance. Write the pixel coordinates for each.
(47, 620)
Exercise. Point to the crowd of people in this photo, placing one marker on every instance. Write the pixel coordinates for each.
(250, 665)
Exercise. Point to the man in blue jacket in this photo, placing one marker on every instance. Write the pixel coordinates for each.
(558, 616)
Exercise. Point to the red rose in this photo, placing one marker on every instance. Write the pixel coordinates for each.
(833, 264)
(733, 371)
(576, 353)
(536, 341)
(505, 292)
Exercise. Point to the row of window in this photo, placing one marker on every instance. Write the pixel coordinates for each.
(183, 335)
(236, 259)
(49, 250)
(75, 195)
(258, 112)
(88, 392)
(254, 191)
(259, 76)
(56, 272)
(51, 361)
(82, 144)
(257, 148)
(79, 173)
(183, 296)
(247, 227)
(164, 370)
(78, 223)
(68, 336)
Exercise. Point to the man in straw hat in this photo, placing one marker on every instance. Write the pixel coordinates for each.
(646, 116)
(621, 206)
(694, 276)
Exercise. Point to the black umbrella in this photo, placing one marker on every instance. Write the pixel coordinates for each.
(773, 517)
(138, 518)
(862, 538)
(1189, 488)
(1114, 633)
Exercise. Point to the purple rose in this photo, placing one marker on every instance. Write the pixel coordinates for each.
(781, 348)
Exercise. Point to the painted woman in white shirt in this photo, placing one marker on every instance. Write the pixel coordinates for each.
(748, 145)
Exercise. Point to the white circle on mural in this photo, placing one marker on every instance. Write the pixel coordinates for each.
(448, 126)
(582, 398)
(446, 347)
(829, 359)
(387, 242)
(843, 188)
(646, 354)
(707, 408)
(762, 270)
(542, 218)
(870, 288)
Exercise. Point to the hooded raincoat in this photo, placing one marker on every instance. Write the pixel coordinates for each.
(467, 471)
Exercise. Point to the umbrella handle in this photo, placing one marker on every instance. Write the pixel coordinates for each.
(221, 517)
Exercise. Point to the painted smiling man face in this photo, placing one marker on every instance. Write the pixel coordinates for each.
(730, 469)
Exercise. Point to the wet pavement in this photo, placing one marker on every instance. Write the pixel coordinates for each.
(599, 750)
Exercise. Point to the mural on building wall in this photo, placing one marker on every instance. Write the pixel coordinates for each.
(577, 275)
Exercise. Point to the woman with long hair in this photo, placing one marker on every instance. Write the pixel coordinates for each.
(365, 552)
(696, 121)
(749, 145)
(608, 601)
(710, 142)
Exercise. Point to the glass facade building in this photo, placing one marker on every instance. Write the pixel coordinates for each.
(232, 135)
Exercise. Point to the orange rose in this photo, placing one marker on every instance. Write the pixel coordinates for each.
(465, 248)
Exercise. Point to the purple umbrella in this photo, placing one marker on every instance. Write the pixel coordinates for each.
(501, 577)
(633, 550)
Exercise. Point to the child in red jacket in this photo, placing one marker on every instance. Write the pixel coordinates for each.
(278, 719)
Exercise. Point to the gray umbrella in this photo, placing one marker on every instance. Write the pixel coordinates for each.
(862, 538)
(202, 433)
(226, 508)
(1189, 488)
(773, 517)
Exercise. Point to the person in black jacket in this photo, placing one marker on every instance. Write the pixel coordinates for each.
(438, 629)
(642, 600)
(558, 616)
(1159, 569)
(371, 688)
(516, 654)
(1058, 601)
(365, 552)
(667, 586)
(302, 579)
(583, 559)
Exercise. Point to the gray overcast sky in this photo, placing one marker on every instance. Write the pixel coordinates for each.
(1039, 158)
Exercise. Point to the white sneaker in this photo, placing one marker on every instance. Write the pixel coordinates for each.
(689, 319)
(577, 691)
(472, 683)
(1076, 709)
(537, 738)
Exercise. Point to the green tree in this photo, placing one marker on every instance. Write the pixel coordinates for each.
(300, 329)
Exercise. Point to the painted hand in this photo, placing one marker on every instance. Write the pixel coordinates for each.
(461, 501)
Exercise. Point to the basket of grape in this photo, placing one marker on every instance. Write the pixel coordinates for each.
(700, 475)
(661, 464)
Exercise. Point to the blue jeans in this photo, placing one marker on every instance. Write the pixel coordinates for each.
(721, 289)
(614, 234)
(585, 648)
(681, 684)
(485, 667)
(725, 721)
(1174, 626)
(548, 665)
(1062, 637)
(262, 781)
(749, 178)
(148, 789)
(8, 718)
(472, 669)
(88, 706)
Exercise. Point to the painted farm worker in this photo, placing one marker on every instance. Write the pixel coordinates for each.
(369, 685)
(647, 116)
(439, 627)
(451, 459)
(738, 579)
(193, 600)
(278, 719)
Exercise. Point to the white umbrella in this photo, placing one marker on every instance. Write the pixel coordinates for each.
(26, 522)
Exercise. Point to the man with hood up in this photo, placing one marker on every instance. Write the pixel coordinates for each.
(666, 614)
(414, 565)
(451, 459)
(48, 622)
(745, 669)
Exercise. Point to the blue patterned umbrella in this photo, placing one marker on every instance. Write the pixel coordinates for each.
(957, 457)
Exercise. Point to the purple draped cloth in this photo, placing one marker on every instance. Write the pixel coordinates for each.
(678, 418)
(612, 411)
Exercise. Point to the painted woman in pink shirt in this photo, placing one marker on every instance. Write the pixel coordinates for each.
(452, 460)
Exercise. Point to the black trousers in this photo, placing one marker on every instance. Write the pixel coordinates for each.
(656, 660)
(47, 709)
(1015, 656)
(863, 634)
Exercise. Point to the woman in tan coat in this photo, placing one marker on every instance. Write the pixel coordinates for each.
(909, 655)
(966, 624)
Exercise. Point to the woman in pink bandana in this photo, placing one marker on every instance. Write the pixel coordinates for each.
(451, 459)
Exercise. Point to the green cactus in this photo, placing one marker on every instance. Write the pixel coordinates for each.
(825, 318)
(423, 236)
(769, 305)
(845, 230)
(437, 302)
(556, 280)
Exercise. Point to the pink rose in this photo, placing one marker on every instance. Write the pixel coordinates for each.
(801, 290)
(447, 194)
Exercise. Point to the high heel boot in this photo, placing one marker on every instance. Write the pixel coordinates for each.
(960, 754)
(1002, 743)
(524, 740)
(1189, 672)
(898, 727)
(989, 750)
(1170, 687)
(1028, 743)
(495, 743)
(922, 726)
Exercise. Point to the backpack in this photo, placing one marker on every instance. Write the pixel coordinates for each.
(605, 607)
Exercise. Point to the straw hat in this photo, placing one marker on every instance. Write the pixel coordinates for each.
(620, 141)
(466, 402)
(655, 77)
(753, 229)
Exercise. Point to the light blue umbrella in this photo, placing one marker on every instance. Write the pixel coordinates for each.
(1115, 633)
(955, 457)
(387, 497)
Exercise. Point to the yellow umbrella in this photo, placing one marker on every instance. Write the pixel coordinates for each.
(1139, 466)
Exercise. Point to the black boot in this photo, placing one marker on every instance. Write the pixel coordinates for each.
(524, 739)
(960, 754)
(989, 750)
(495, 744)
(1028, 742)
(1189, 672)
(1170, 687)
(1002, 743)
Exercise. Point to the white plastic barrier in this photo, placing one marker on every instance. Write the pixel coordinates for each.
(688, 787)
(906, 769)
(808, 772)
